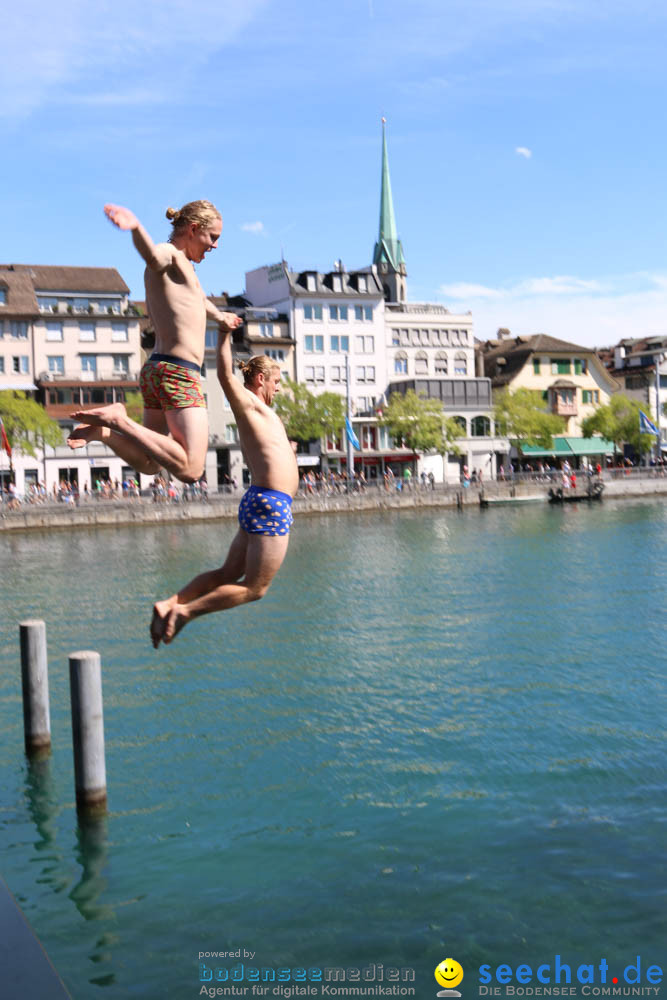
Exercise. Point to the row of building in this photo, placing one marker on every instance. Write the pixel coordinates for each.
(72, 337)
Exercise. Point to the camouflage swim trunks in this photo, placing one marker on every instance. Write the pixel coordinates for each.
(170, 383)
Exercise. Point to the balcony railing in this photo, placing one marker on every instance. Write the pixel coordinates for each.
(71, 375)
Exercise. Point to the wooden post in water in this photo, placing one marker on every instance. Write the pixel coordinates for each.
(35, 683)
(85, 680)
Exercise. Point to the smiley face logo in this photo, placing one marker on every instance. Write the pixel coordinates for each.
(449, 973)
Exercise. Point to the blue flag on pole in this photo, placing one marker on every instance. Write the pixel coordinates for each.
(645, 425)
(351, 436)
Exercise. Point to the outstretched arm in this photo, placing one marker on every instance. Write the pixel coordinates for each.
(225, 320)
(238, 396)
(156, 258)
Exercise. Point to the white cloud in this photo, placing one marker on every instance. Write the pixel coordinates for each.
(112, 51)
(593, 313)
(524, 151)
(257, 228)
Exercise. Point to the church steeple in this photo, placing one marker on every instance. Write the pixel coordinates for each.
(388, 254)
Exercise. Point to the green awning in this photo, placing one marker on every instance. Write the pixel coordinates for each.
(567, 447)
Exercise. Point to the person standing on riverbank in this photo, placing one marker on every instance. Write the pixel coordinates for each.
(174, 432)
(265, 512)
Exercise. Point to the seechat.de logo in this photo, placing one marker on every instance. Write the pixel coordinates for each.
(448, 974)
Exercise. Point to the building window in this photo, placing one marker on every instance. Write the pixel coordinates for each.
(19, 329)
(415, 338)
(364, 345)
(363, 404)
(405, 338)
(454, 337)
(460, 364)
(561, 366)
(276, 353)
(310, 282)
(266, 330)
(312, 312)
(3, 296)
(56, 364)
(461, 421)
(313, 344)
(21, 364)
(401, 364)
(421, 364)
(231, 434)
(87, 332)
(339, 344)
(425, 336)
(365, 373)
(369, 437)
(361, 283)
(89, 364)
(121, 364)
(363, 314)
(54, 331)
(211, 338)
(338, 313)
(480, 427)
(336, 284)
(440, 363)
(580, 366)
(338, 373)
(590, 396)
(536, 366)
(395, 338)
(2, 366)
(119, 332)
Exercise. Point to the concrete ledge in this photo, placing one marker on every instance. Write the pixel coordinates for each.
(99, 514)
(25, 969)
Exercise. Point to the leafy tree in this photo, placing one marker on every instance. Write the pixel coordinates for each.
(308, 417)
(618, 421)
(134, 404)
(520, 416)
(421, 424)
(27, 423)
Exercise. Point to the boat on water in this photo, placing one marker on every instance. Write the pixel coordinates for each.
(593, 492)
(485, 501)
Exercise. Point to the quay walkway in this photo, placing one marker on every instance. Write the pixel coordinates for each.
(26, 969)
(97, 512)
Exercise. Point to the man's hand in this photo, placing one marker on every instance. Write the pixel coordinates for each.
(121, 217)
(228, 322)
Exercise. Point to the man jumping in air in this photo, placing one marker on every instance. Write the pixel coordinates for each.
(265, 515)
(174, 433)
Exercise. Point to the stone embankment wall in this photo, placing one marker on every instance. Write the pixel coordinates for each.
(95, 513)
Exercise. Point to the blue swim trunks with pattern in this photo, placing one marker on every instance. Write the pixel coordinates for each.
(265, 512)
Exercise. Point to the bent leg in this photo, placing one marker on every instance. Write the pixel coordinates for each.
(189, 427)
(264, 557)
(132, 454)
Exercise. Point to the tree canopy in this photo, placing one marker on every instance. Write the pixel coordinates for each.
(308, 417)
(27, 423)
(618, 421)
(520, 416)
(420, 423)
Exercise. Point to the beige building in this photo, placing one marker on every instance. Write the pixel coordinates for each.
(571, 379)
(69, 336)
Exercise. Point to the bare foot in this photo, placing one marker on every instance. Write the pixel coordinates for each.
(112, 415)
(83, 434)
(161, 611)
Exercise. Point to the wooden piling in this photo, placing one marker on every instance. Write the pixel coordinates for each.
(85, 678)
(35, 683)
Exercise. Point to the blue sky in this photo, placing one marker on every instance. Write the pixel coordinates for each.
(526, 144)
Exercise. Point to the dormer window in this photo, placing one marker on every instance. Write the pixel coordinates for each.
(361, 283)
(310, 283)
(336, 283)
(3, 296)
